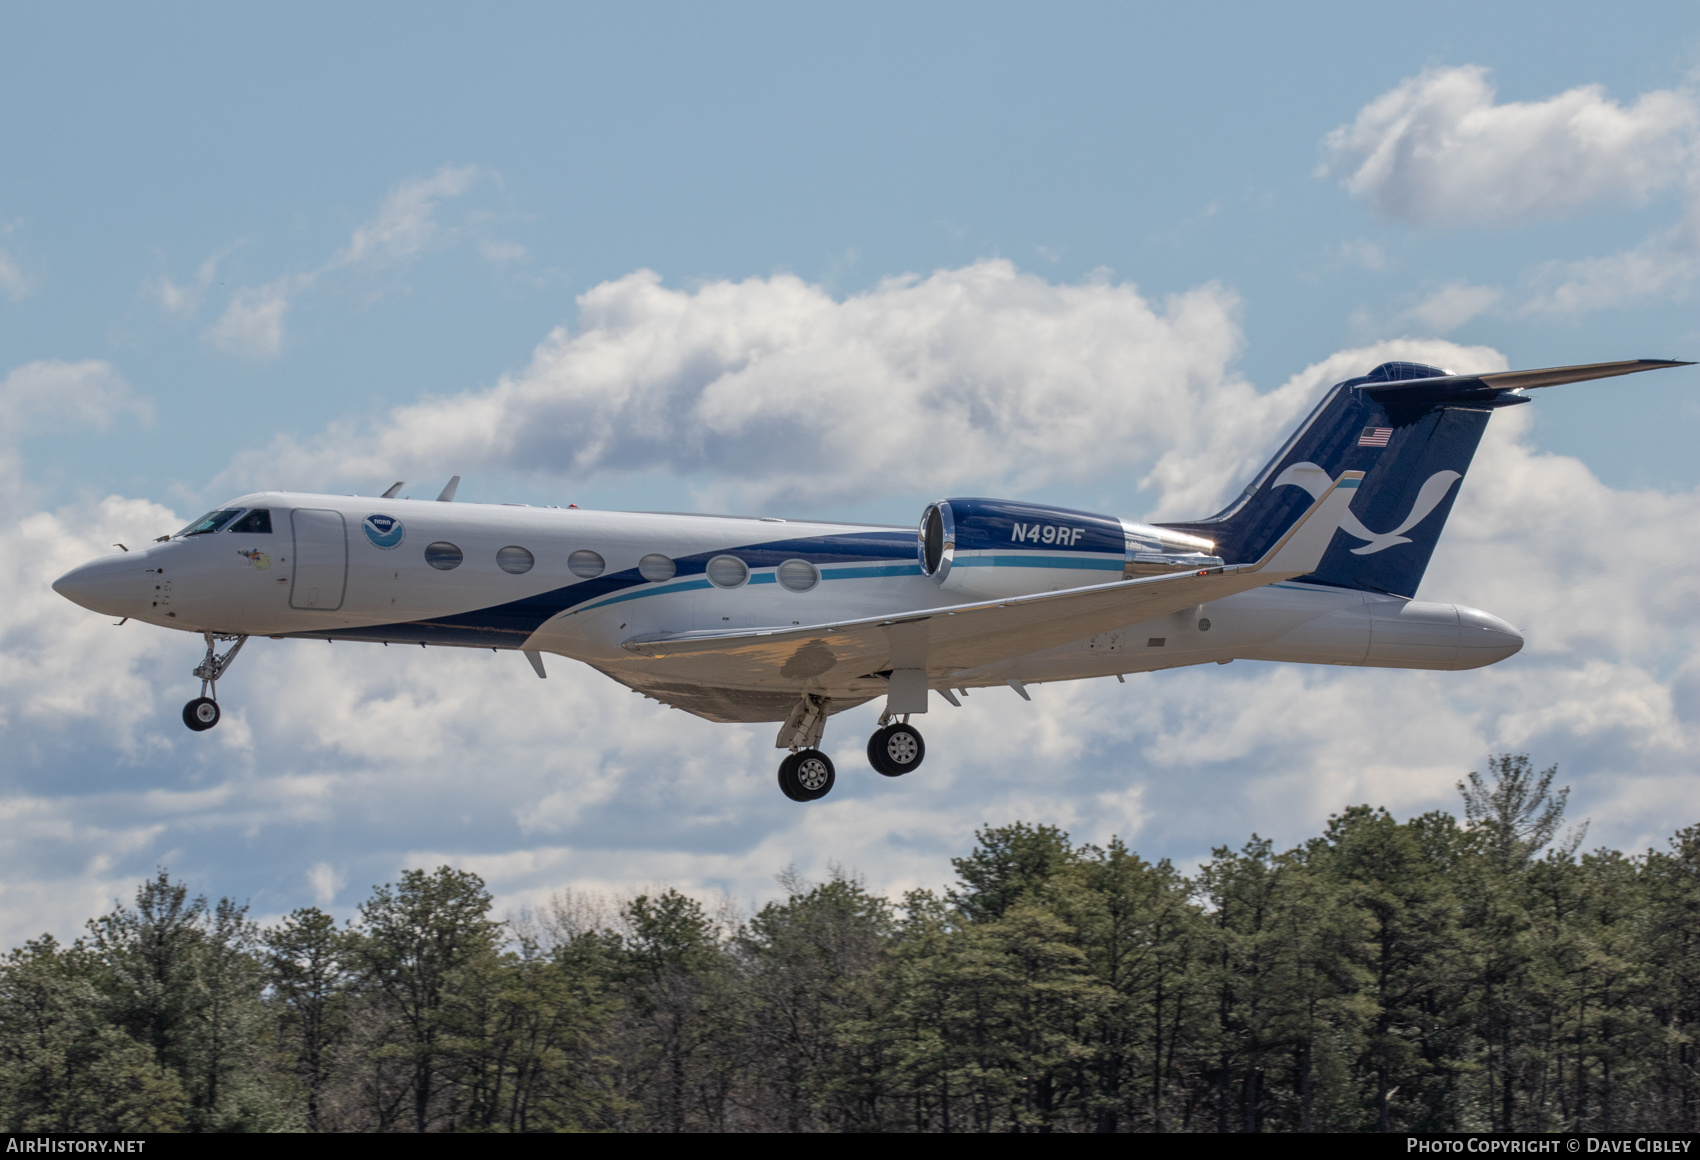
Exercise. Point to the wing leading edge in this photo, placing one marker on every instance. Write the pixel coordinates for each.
(950, 639)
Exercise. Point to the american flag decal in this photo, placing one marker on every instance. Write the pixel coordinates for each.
(1375, 437)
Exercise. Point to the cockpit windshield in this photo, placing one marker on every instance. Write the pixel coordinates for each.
(258, 520)
(211, 522)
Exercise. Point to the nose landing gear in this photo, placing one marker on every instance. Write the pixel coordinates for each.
(202, 713)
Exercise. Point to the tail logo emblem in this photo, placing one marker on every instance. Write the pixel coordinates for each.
(1315, 480)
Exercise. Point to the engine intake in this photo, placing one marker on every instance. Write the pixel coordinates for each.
(937, 548)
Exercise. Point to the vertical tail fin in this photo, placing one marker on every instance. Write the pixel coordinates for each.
(1413, 455)
(1412, 430)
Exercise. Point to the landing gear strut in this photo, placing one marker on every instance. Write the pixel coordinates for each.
(202, 713)
(896, 749)
(807, 774)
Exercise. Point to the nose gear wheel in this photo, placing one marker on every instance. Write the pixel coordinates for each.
(202, 713)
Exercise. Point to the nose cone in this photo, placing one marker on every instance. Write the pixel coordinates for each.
(1484, 638)
(112, 584)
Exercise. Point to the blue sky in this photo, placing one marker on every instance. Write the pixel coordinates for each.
(246, 245)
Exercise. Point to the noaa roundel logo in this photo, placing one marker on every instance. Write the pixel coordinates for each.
(384, 531)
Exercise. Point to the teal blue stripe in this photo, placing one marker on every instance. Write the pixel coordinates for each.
(760, 578)
(871, 573)
(1080, 563)
(640, 593)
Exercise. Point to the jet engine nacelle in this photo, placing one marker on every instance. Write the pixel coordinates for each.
(980, 548)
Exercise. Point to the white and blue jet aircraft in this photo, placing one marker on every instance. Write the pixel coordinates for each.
(1316, 561)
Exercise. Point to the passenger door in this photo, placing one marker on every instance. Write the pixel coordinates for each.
(321, 560)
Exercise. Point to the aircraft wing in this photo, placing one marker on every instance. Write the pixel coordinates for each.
(949, 639)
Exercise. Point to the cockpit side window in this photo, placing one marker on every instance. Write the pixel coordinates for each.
(259, 520)
(211, 522)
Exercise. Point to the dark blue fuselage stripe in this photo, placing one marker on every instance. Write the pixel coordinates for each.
(509, 625)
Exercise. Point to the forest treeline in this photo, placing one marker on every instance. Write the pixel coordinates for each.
(1438, 974)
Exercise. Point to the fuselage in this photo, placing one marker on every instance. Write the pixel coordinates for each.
(578, 583)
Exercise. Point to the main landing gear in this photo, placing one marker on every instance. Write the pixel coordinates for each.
(896, 749)
(807, 774)
(202, 713)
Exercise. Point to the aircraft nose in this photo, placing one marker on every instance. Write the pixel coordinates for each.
(1484, 638)
(111, 585)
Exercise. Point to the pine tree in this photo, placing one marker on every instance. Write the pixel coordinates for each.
(414, 939)
(309, 971)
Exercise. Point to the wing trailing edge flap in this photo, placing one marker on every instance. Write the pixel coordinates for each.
(969, 635)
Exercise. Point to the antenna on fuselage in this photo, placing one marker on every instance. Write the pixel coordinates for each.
(395, 489)
(448, 495)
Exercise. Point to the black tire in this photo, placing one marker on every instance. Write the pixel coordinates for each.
(201, 714)
(786, 781)
(896, 750)
(807, 775)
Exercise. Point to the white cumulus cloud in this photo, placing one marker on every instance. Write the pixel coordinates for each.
(405, 226)
(974, 379)
(1437, 150)
(252, 325)
(51, 394)
(14, 283)
(406, 223)
(1363, 253)
(1665, 265)
(1453, 305)
(183, 299)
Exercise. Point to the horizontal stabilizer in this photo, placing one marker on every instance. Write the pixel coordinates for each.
(1480, 388)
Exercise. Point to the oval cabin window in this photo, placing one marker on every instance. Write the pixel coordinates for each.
(586, 563)
(655, 568)
(727, 572)
(514, 560)
(798, 575)
(443, 555)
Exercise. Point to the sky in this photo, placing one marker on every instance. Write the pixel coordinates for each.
(829, 261)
